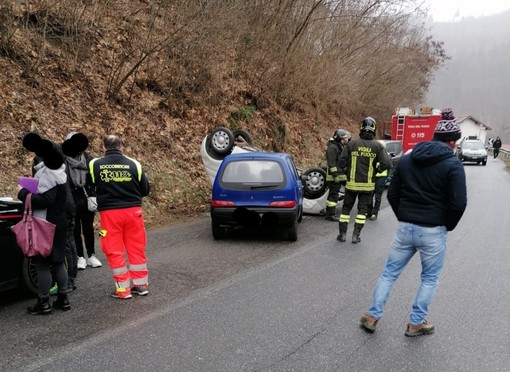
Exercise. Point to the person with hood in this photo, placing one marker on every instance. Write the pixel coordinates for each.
(77, 160)
(428, 196)
(496, 146)
(47, 204)
(335, 176)
(362, 159)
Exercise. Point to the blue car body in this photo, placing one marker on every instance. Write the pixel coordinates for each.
(257, 189)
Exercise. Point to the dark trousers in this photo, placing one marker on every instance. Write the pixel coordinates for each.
(364, 200)
(375, 203)
(496, 153)
(334, 189)
(71, 255)
(84, 221)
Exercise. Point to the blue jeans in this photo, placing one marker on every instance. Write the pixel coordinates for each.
(430, 242)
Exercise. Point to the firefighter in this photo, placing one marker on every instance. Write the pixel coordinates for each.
(359, 159)
(335, 177)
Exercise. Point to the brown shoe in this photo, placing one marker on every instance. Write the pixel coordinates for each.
(368, 323)
(419, 330)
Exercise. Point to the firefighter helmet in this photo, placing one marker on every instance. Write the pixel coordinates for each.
(368, 125)
(341, 134)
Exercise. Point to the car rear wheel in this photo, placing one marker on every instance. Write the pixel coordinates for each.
(219, 143)
(315, 183)
(244, 135)
(291, 232)
(218, 231)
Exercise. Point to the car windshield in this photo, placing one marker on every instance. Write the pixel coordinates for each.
(253, 172)
(473, 146)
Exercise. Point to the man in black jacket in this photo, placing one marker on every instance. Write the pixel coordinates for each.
(120, 186)
(496, 146)
(428, 196)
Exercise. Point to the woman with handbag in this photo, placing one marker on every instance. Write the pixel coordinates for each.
(47, 204)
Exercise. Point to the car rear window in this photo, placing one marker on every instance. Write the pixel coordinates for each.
(246, 174)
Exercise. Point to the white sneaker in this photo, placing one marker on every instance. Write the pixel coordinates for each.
(82, 264)
(93, 261)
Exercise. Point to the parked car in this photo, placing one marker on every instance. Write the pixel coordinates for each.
(16, 271)
(472, 150)
(257, 190)
(222, 141)
(395, 151)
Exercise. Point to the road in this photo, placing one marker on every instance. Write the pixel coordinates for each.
(253, 303)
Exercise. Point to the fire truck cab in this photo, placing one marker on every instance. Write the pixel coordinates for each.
(411, 127)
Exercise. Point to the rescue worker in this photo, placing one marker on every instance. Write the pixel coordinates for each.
(375, 202)
(120, 186)
(359, 159)
(335, 176)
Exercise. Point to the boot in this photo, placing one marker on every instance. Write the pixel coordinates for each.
(330, 213)
(342, 229)
(41, 307)
(356, 233)
(62, 302)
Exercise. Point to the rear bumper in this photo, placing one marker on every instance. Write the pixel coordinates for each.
(254, 216)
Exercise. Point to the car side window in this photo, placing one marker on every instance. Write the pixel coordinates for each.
(292, 166)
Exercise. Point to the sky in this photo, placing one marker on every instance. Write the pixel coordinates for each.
(446, 10)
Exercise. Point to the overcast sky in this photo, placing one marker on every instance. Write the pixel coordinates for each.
(446, 10)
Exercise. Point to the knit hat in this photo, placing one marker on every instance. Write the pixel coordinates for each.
(447, 128)
(74, 144)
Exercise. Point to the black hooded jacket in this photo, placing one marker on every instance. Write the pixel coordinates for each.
(428, 187)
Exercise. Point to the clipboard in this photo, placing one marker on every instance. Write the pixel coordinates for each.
(29, 183)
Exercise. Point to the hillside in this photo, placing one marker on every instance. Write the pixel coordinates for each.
(162, 76)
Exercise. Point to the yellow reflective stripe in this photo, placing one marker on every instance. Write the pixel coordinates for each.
(103, 233)
(353, 168)
(91, 169)
(358, 186)
(123, 286)
(333, 169)
(344, 218)
(330, 203)
(138, 167)
(342, 177)
(360, 218)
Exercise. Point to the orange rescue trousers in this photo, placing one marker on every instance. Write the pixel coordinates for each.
(123, 232)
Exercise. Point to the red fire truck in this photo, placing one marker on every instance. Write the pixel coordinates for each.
(410, 127)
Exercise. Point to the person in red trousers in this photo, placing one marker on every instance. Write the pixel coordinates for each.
(120, 185)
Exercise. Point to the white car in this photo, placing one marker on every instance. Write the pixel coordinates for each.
(222, 142)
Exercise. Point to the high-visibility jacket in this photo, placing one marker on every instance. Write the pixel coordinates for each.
(360, 157)
(334, 172)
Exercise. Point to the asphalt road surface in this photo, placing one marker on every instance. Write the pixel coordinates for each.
(255, 303)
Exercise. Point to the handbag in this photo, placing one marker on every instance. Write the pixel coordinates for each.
(91, 202)
(34, 235)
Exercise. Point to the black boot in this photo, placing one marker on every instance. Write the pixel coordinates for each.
(342, 229)
(62, 302)
(330, 213)
(356, 233)
(41, 307)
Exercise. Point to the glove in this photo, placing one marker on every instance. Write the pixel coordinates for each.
(336, 179)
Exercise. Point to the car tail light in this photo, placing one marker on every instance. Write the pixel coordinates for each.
(222, 203)
(283, 204)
